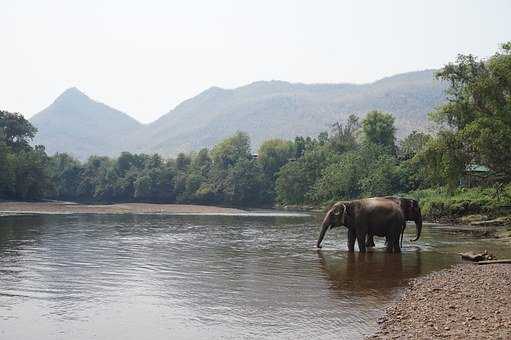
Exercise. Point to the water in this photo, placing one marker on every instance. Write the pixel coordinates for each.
(196, 277)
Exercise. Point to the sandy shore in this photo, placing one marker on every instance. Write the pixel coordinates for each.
(13, 208)
(467, 301)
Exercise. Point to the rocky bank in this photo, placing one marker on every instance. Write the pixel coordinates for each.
(467, 301)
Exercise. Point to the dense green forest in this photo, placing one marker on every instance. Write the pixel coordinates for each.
(356, 158)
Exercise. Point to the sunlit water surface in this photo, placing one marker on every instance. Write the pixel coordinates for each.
(197, 277)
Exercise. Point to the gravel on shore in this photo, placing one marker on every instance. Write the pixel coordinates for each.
(467, 301)
(13, 208)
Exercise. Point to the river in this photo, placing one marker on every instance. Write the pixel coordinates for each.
(253, 275)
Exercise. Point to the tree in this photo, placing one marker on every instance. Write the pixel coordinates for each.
(124, 188)
(367, 171)
(191, 186)
(202, 162)
(32, 179)
(127, 161)
(182, 162)
(339, 180)
(7, 170)
(299, 146)
(65, 174)
(443, 160)
(225, 183)
(412, 144)
(290, 186)
(383, 177)
(478, 109)
(378, 128)
(273, 154)
(295, 179)
(344, 136)
(94, 171)
(244, 183)
(156, 185)
(17, 132)
(231, 150)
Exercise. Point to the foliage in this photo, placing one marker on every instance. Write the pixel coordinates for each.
(295, 179)
(366, 171)
(479, 109)
(412, 144)
(378, 128)
(16, 131)
(442, 160)
(23, 169)
(7, 171)
(344, 136)
(65, 175)
(31, 174)
(231, 150)
(440, 202)
(273, 154)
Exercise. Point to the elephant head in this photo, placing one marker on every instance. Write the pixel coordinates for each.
(412, 212)
(334, 217)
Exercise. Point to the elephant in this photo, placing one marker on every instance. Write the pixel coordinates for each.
(372, 216)
(411, 212)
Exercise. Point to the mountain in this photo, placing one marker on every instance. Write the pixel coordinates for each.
(270, 109)
(76, 124)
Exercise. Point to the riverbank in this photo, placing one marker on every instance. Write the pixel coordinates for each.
(467, 301)
(57, 207)
(478, 205)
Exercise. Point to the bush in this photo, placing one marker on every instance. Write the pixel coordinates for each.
(439, 202)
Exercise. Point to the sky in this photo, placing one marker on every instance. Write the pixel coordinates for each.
(145, 57)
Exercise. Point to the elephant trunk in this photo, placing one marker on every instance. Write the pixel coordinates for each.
(418, 225)
(324, 228)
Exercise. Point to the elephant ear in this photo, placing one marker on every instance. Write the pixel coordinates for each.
(414, 205)
(339, 211)
(408, 207)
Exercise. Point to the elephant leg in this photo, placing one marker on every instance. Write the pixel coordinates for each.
(361, 239)
(394, 242)
(389, 246)
(351, 240)
(389, 243)
(397, 248)
(370, 240)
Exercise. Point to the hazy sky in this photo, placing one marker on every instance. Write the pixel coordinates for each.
(145, 57)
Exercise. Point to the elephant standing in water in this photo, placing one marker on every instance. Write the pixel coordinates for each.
(369, 216)
(411, 212)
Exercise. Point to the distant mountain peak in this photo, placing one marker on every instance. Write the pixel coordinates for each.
(82, 126)
(72, 94)
(213, 90)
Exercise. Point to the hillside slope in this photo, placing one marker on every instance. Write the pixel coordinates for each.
(269, 109)
(76, 124)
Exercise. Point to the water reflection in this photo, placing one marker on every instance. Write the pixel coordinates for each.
(185, 276)
(365, 273)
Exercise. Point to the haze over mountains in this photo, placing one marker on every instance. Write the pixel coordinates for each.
(76, 124)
